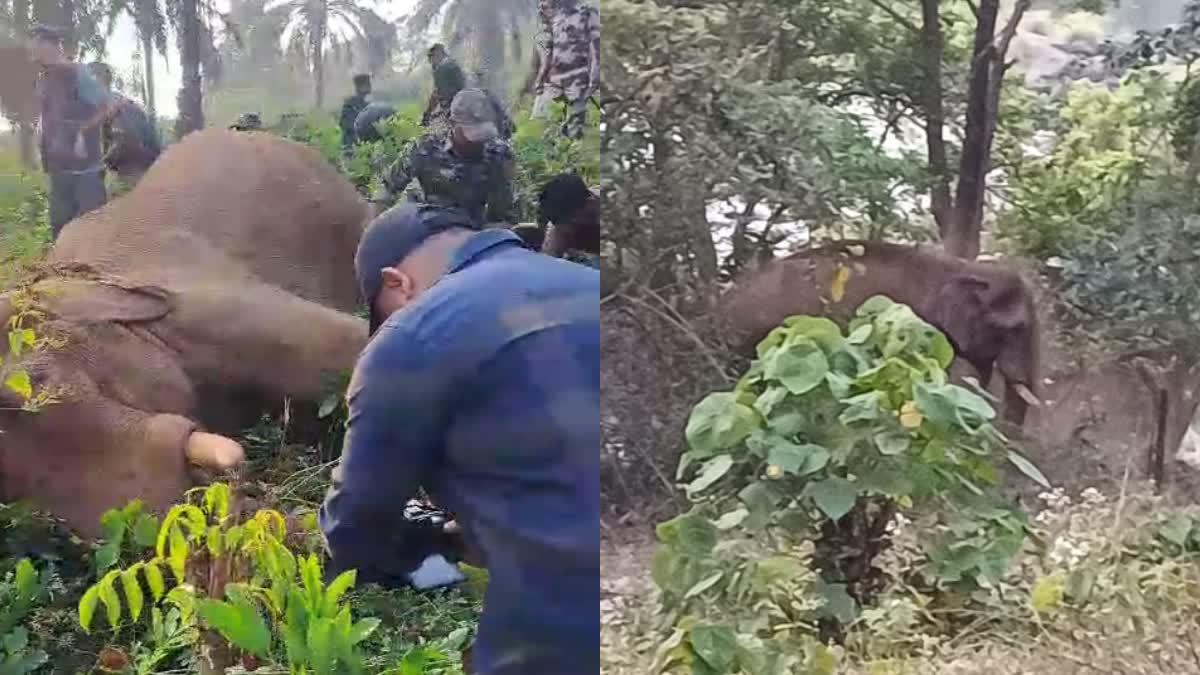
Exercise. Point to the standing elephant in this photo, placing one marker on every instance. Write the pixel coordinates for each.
(985, 310)
(225, 276)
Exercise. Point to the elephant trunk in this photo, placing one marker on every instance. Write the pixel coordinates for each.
(1020, 364)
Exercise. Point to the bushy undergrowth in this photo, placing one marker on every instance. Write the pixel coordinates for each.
(1108, 584)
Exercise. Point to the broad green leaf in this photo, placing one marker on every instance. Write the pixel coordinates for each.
(770, 398)
(716, 644)
(108, 596)
(692, 532)
(363, 629)
(154, 579)
(818, 329)
(799, 365)
(337, 588)
(711, 472)
(862, 408)
(328, 405)
(321, 648)
(760, 500)
(1177, 529)
(239, 623)
(798, 459)
(732, 519)
(179, 553)
(703, 585)
(838, 603)
(1026, 467)
(892, 441)
(133, 592)
(779, 569)
(771, 341)
(20, 383)
(25, 578)
(145, 530)
(835, 496)
(16, 641)
(87, 607)
(860, 335)
(718, 423)
(888, 480)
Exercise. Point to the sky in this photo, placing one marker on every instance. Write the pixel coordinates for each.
(122, 46)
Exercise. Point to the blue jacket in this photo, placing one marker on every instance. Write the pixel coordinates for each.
(486, 391)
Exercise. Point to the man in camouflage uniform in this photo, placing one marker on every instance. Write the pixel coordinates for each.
(570, 59)
(351, 107)
(467, 166)
(573, 212)
(448, 80)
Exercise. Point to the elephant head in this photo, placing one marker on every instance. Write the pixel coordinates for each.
(989, 318)
(120, 428)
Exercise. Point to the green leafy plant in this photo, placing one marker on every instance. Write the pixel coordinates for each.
(241, 582)
(824, 439)
(22, 339)
(130, 529)
(20, 591)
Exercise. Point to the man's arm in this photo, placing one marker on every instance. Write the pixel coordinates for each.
(397, 176)
(400, 405)
(500, 190)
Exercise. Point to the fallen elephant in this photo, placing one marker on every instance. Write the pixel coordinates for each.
(984, 309)
(227, 272)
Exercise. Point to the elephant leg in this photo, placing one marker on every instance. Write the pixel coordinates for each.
(1015, 406)
(264, 338)
(985, 373)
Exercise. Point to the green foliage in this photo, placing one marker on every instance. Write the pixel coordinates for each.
(241, 580)
(802, 466)
(540, 153)
(20, 591)
(1105, 144)
(127, 530)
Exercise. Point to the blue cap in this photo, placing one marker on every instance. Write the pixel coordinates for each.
(393, 236)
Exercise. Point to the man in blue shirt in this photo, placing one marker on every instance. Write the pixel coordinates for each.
(481, 383)
(74, 106)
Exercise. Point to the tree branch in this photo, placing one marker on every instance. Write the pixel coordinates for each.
(899, 18)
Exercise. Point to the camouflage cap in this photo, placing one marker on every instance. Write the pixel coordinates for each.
(473, 112)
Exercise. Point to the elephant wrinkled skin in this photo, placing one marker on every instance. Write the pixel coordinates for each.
(986, 311)
(226, 274)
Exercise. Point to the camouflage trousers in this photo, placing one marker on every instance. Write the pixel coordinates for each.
(576, 98)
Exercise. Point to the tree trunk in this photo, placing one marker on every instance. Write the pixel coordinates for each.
(491, 50)
(317, 47)
(962, 239)
(21, 10)
(191, 102)
(983, 97)
(932, 48)
(148, 76)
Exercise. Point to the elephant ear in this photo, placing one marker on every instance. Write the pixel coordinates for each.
(89, 302)
(960, 312)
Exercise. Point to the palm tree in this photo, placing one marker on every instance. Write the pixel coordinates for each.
(315, 27)
(479, 27)
(192, 21)
(150, 20)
